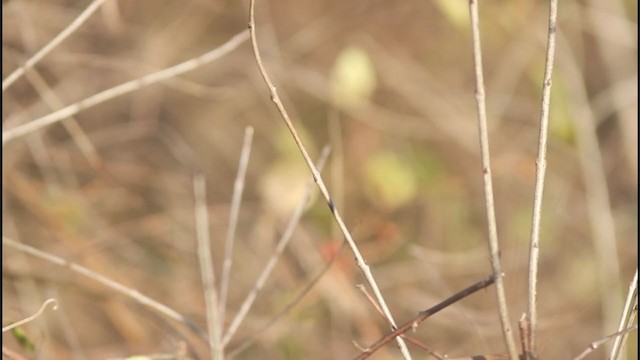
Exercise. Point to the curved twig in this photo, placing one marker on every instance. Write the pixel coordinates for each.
(51, 301)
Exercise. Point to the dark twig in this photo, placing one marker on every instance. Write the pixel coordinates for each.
(406, 337)
(422, 316)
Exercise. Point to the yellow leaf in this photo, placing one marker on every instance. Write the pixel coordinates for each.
(353, 78)
(389, 180)
(455, 11)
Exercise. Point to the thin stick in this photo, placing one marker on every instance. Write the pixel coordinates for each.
(422, 316)
(263, 329)
(125, 88)
(318, 179)
(75, 24)
(282, 243)
(236, 198)
(626, 318)
(43, 307)
(113, 285)
(414, 341)
(596, 344)
(494, 247)
(541, 166)
(78, 135)
(206, 267)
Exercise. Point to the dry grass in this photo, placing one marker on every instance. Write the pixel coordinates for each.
(109, 187)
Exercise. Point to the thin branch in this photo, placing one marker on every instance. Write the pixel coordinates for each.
(318, 179)
(43, 307)
(78, 135)
(113, 285)
(125, 88)
(282, 243)
(75, 24)
(541, 166)
(206, 267)
(422, 316)
(236, 198)
(628, 314)
(494, 247)
(406, 337)
(263, 329)
(596, 344)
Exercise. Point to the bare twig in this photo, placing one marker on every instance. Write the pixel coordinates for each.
(494, 247)
(238, 188)
(73, 26)
(51, 301)
(282, 243)
(125, 88)
(406, 337)
(318, 179)
(372, 301)
(206, 267)
(252, 338)
(78, 135)
(117, 287)
(541, 167)
(413, 323)
(628, 314)
(596, 344)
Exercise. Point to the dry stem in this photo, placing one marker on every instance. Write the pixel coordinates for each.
(75, 24)
(413, 323)
(113, 285)
(318, 179)
(125, 88)
(494, 247)
(541, 166)
(282, 243)
(43, 307)
(206, 268)
(596, 344)
(628, 314)
(238, 188)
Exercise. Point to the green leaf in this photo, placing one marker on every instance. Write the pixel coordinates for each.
(23, 339)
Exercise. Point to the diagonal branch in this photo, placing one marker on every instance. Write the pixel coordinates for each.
(113, 285)
(75, 24)
(125, 88)
(318, 179)
(413, 323)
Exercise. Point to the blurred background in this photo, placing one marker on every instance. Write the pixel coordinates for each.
(389, 85)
